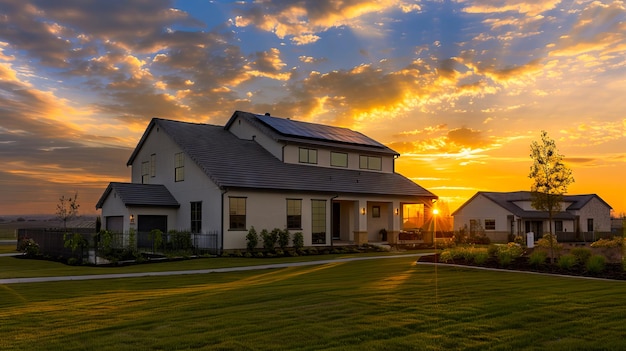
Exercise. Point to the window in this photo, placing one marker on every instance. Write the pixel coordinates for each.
(294, 214)
(590, 224)
(153, 165)
(490, 224)
(376, 211)
(237, 211)
(370, 162)
(179, 167)
(558, 226)
(338, 159)
(196, 217)
(308, 155)
(318, 221)
(145, 172)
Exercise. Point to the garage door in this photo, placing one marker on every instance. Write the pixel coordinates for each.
(115, 224)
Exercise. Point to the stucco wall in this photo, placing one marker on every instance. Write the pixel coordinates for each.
(481, 208)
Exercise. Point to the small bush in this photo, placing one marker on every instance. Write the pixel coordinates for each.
(445, 256)
(29, 247)
(567, 261)
(595, 264)
(537, 258)
(617, 241)
(582, 254)
(298, 241)
(481, 257)
(283, 239)
(252, 239)
(508, 253)
(269, 239)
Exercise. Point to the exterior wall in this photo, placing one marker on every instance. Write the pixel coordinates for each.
(268, 210)
(292, 153)
(196, 186)
(599, 212)
(244, 130)
(113, 206)
(481, 208)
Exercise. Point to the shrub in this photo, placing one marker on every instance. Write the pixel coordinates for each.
(508, 253)
(481, 257)
(156, 235)
(617, 241)
(582, 254)
(595, 264)
(29, 247)
(567, 261)
(445, 256)
(298, 241)
(269, 239)
(252, 239)
(537, 258)
(283, 239)
(180, 240)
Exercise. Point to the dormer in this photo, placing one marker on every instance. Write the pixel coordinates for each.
(313, 144)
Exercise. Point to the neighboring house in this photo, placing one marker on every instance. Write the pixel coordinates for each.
(259, 171)
(511, 213)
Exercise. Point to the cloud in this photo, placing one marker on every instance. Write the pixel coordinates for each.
(529, 8)
(302, 19)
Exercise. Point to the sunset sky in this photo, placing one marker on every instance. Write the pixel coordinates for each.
(459, 88)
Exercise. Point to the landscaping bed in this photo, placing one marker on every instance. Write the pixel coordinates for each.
(613, 271)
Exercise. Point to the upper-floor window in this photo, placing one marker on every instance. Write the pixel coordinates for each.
(153, 165)
(145, 172)
(237, 212)
(338, 159)
(294, 214)
(590, 224)
(308, 155)
(490, 224)
(370, 162)
(179, 167)
(196, 217)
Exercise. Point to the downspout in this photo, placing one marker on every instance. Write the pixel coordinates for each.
(224, 191)
(331, 219)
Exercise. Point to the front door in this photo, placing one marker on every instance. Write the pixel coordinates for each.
(147, 223)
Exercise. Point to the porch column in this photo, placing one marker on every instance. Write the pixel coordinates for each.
(360, 233)
(396, 221)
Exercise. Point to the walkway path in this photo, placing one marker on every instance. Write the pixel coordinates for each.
(197, 271)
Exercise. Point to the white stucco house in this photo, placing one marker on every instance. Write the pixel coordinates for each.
(329, 183)
(501, 214)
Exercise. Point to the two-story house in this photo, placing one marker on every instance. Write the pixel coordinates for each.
(329, 183)
(501, 214)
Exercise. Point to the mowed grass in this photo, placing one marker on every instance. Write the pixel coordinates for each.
(386, 304)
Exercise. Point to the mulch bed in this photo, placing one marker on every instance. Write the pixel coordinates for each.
(612, 270)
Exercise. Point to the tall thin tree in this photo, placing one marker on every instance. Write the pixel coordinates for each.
(67, 209)
(551, 177)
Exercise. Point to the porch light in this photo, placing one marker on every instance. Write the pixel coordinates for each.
(363, 211)
(132, 218)
(397, 211)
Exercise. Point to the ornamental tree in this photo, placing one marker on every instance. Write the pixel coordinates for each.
(550, 179)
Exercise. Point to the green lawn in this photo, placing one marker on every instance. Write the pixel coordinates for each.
(389, 304)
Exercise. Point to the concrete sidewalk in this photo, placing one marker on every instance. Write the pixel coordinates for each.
(198, 271)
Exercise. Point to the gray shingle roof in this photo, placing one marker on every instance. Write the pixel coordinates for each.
(231, 162)
(140, 195)
(506, 200)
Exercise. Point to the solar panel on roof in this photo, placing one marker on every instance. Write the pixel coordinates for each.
(317, 131)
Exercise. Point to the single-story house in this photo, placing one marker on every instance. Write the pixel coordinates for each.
(500, 214)
(329, 183)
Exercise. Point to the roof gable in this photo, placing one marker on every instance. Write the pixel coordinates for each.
(131, 194)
